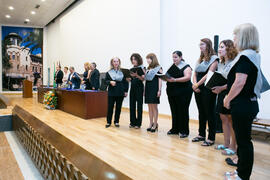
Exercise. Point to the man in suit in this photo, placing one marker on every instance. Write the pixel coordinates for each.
(94, 77)
(74, 79)
(58, 76)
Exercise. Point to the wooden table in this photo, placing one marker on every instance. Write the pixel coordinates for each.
(85, 104)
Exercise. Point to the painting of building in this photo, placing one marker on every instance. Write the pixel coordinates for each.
(22, 57)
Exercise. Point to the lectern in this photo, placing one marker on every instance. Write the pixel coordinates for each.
(27, 89)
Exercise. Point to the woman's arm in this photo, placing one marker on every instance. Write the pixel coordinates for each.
(187, 75)
(159, 85)
(219, 89)
(212, 68)
(239, 82)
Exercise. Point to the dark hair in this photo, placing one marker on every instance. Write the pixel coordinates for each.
(66, 68)
(209, 50)
(137, 57)
(231, 51)
(179, 53)
(95, 65)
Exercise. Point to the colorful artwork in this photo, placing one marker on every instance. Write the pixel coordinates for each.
(21, 57)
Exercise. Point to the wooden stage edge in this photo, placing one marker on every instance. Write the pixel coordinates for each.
(60, 143)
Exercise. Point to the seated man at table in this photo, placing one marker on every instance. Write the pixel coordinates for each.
(74, 79)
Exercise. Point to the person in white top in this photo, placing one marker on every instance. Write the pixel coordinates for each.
(65, 78)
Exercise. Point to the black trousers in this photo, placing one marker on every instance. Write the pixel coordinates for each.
(242, 123)
(136, 98)
(118, 100)
(180, 112)
(206, 102)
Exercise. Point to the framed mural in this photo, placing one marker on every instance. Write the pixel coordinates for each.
(22, 58)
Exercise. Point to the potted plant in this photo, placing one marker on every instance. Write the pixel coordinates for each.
(50, 100)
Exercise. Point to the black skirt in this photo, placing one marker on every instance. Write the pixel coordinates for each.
(151, 90)
(220, 105)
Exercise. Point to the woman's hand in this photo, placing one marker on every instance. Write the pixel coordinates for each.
(159, 93)
(171, 80)
(195, 86)
(128, 79)
(113, 83)
(125, 94)
(134, 74)
(226, 102)
(197, 90)
(217, 89)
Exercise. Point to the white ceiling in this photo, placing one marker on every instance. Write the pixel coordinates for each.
(47, 11)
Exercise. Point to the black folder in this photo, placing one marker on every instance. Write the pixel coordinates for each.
(216, 79)
(126, 73)
(164, 77)
(139, 70)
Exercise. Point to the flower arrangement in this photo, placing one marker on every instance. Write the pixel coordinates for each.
(50, 100)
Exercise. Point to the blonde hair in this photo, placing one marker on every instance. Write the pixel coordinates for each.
(112, 62)
(154, 59)
(87, 65)
(247, 37)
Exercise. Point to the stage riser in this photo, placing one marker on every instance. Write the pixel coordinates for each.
(56, 156)
(49, 161)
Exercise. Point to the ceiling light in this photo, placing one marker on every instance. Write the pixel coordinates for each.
(27, 20)
(43, 0)
(11, 7)
(33, 12)
(7, 16)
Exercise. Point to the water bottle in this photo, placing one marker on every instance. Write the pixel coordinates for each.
(73, 86)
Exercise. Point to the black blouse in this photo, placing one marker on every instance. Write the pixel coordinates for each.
(118, 90)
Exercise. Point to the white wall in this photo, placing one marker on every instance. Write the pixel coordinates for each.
(96, 30)
(184, 23)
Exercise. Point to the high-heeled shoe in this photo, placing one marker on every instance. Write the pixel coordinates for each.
(149, 129)
(154, 129)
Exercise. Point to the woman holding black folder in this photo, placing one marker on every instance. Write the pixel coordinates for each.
(245, 84)
(227, 52)
(136, 91)
(179, 91)
(117, 90)
(205, 98)
(152, 91)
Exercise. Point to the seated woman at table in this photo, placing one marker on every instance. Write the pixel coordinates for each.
(94, 77)
(117, 90)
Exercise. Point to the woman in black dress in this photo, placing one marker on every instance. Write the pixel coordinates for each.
(205, 98)
(136, 92)
(227, 52)
(152, 90)
(86, 75)
(117, 90)
(245, 83)
(179, 91)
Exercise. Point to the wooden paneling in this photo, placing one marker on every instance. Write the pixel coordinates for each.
(27, 89)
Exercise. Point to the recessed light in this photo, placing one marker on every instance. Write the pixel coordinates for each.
(27, 20)
(11, 7)
(33, 12)
(8, 16)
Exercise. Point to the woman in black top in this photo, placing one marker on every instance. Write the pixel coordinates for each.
(136, 92)
(205, 98)
(117, 90)
(86, 74)
(245, 82)
(152, 91)
(227, 53)
(94, 77)
(179, 91)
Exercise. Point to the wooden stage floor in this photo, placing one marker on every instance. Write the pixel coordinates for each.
(143, 155)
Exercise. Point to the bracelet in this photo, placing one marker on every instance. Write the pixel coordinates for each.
(196, 84)
(174, 80)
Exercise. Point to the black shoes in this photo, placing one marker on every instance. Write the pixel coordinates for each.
(154, 129)
(107, 125)
(171, 132)
(149, 129)
(116, 125)
(183, 135)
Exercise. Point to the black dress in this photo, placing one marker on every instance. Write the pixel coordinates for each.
(151, 90)
(87, 82)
